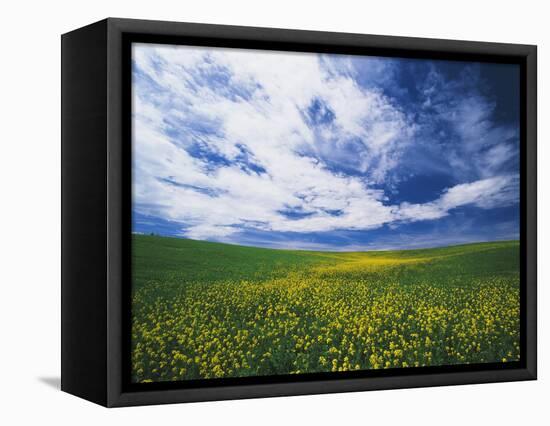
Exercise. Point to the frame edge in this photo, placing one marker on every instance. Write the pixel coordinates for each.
(83, 223)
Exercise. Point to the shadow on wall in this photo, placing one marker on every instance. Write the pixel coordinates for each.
(54, 382)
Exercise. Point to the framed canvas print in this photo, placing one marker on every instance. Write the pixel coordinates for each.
(253, 212)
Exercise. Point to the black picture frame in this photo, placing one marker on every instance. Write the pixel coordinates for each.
(96, 208)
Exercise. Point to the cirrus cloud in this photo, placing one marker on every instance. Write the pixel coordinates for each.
(228, 140)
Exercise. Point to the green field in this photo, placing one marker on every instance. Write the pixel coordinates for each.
(210, 310)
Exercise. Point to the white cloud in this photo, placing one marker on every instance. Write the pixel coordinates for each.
(258, 103)
(482, 147)
(487, 193)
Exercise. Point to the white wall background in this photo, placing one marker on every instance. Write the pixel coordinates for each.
(30, 210)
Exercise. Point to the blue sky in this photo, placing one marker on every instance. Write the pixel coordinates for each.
(324, 152)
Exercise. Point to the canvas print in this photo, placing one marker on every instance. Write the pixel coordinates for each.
(304, 213)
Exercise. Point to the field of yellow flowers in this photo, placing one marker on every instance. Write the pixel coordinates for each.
(208, 310)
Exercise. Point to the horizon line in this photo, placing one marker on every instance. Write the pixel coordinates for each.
(327, 251)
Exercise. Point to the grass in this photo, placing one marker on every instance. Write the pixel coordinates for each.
(210, 310)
